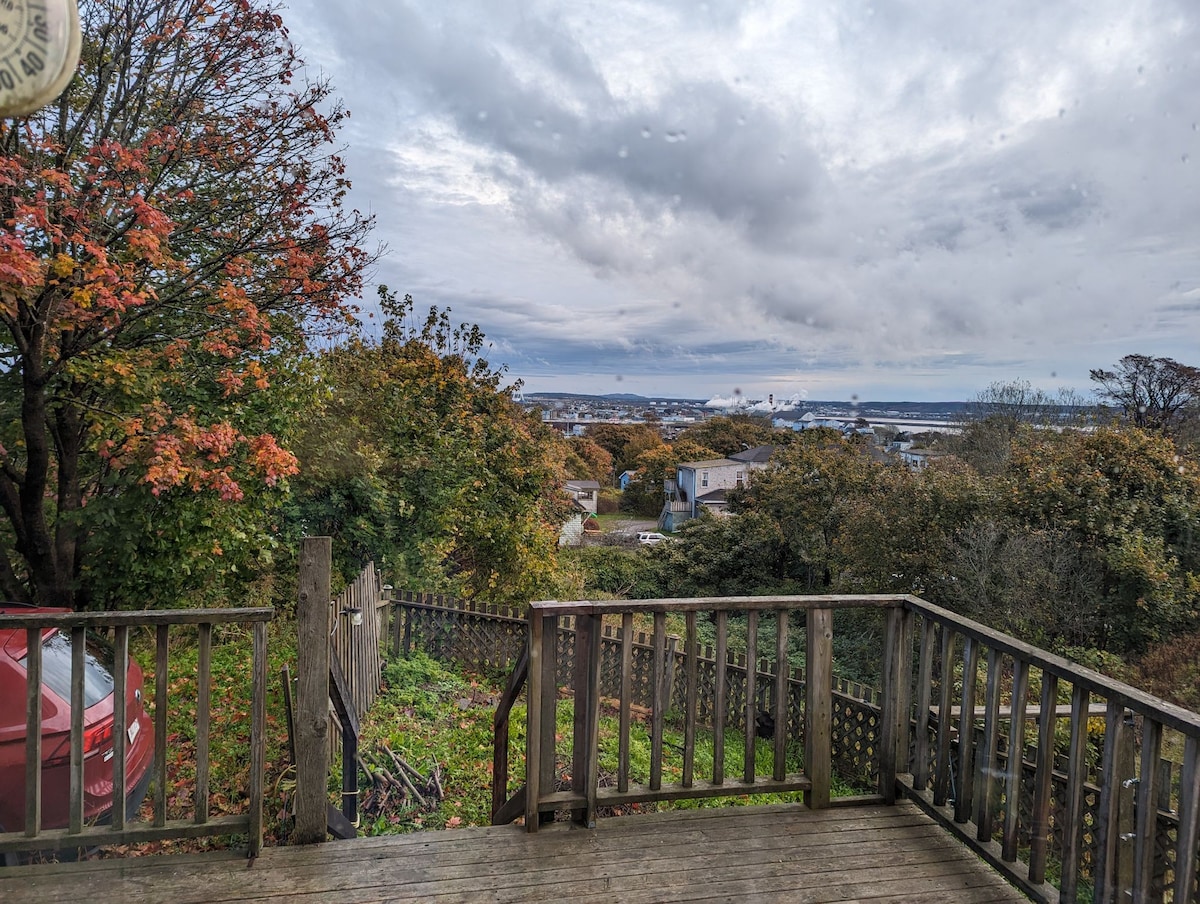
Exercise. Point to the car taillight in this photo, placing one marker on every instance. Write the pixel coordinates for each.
(95, 739)
(97, 736)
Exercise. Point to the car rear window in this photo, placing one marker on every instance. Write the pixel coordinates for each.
(56, 668)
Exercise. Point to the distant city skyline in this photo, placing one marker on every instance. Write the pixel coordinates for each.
(873, 199)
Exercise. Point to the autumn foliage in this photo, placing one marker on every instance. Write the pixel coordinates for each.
(173, 230)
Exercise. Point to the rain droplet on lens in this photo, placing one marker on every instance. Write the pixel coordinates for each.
(1183, 158)
(1062, 111)
(482, 115)
(623, 152)
(539, 122)
(646, 132)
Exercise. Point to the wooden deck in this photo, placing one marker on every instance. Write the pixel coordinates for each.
(783, 853)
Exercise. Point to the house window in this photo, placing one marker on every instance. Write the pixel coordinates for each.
(703, 478)
(741, 477)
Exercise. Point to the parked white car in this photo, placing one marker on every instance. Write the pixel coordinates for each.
(650, 537)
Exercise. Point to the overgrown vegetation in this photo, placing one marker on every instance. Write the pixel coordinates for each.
(430, 713)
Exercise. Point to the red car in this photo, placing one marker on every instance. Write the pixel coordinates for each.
(56, 728)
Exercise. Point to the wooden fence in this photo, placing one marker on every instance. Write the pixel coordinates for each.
(122, 827)
(356, 621)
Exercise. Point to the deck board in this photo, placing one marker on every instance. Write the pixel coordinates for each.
(877, 854)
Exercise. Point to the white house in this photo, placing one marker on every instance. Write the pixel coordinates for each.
(704, 483)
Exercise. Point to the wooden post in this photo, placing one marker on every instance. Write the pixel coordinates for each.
(258, 739)
(533, 719)
(547, 703)
(818, 706)
(312, 704)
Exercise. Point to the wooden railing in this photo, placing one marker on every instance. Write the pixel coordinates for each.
(539, 795)
(945, 679)
(973, 682)
(202, 823)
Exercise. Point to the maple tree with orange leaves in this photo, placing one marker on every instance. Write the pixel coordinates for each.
(173, 233)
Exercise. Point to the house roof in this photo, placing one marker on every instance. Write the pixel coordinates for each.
(711, 463)
(758, 454)
(582, 485)
(714, 496)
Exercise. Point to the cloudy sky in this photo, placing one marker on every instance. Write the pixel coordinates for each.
(897, 200)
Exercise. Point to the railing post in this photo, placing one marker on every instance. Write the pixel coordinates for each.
(540, 714)
(533, 721)
(585, 765)
(258, 739)
(312, 704)
(897, 694)
(818, 706)
(1189, 820)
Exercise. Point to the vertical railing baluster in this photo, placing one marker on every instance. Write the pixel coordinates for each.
(75, 805)
(987, 790)
(659, 706)
(782, 676)
(161, 676)
(203, 704)
(1073, 812)
(120, 723)
(1107, 830)
(1043, 776)
(720, 697)
(924, 701)
(33, 731)
(966, 732)
(942, 774)
(1146, 828)
(748, 768)
(689, 718)
(626, 701)
(1016, 756)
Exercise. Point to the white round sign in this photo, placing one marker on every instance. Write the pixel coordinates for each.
(39, 50)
